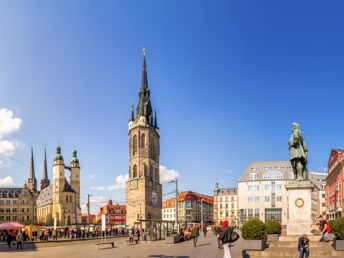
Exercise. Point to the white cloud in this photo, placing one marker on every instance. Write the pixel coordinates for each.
(120, 184)
(167, 174)
(95, 203)
(6, 181)
(91, 177)
(8, 124)
(228, 171)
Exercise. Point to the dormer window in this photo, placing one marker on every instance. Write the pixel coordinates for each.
(253, 176)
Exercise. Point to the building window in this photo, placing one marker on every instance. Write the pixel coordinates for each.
(267, 198)
(273, 175)
(279, 198)
(134, 144)
(273, 214)
(253, 176)
(134, 171)
(232, 198)
(267, 187)
(291, 175)
(279, 187)
(256, 199)
(143, 140)
(8, 210)
(8, 202)
(220, 199)
(14, 202)
(232, 205)
(250, 213)
(256, 187)
(250, 187)
(250, 199)
(256, 213)
(273, 201)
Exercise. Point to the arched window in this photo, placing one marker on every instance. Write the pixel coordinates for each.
(70, 198)
(151, 172)
(156, 174)
(143, 140)
(134, 144)
(134, 171)
(145, 170)
(66, 198)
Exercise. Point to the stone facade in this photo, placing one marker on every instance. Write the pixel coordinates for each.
(143, 188)
(61, 200)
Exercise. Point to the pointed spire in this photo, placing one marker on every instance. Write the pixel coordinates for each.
(155, 120)
(132, 118)
(144, 83)
(45, 167)
(32, 167)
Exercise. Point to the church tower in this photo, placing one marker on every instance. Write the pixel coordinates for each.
(45, 180)
(143, 188)
(32, 182)
(58, 186)
(75, 184)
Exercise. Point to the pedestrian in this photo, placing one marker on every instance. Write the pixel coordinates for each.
(303, 246)
(195, 235)
(225, 237)
(138, 235)
(324, 228)
(9, 239)
(218, 232)
(205, 231)
(19, 240)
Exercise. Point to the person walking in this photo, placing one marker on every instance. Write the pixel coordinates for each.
(195, 235)
(303, 246)
(218, 232)
(324, 229)
(9, 239)
(205, 231)
(225, 237)
(19, 240)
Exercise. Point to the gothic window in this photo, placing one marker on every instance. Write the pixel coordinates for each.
(134, 171)
(70, 198)
(151, 172)
(66, 198)
(134, 144)
(145, 170)
(156, 174)
(143, 140)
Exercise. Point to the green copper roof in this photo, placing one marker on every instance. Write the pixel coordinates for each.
(74, 159)
(58, 154)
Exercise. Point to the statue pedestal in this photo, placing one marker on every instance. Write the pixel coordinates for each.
(300, 207)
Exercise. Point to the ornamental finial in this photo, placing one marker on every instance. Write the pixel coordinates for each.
(144, 51)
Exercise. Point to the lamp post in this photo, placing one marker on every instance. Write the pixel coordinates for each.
(176, 204)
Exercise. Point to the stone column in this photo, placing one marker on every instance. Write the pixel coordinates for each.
(300, 207)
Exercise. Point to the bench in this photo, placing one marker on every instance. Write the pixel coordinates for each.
(106, 245)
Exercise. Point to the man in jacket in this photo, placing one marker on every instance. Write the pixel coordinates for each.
(19, 240)
(195, 235)
(323, 228)
(225, 237)
(218, 233)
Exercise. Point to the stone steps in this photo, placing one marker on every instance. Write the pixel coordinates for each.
(293, 252)
(312, 238)
(292, 244)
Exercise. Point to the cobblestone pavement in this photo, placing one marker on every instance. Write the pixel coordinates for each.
(206, 247)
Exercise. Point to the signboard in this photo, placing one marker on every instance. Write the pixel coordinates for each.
(154, 199)
(133, 184)
(54, 223)
(103, 222)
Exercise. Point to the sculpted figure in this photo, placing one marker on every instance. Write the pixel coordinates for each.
(298, 153)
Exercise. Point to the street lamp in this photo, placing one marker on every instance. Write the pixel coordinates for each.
(176, 204)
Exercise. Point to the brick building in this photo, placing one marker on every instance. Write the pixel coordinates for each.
(115, 214)
(334, 185)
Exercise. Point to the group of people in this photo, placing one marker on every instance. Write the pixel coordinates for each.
(11, 236)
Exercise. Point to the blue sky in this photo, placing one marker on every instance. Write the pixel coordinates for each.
(227, 78)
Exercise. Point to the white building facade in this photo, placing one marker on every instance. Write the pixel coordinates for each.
(262, 192)
(226, 205)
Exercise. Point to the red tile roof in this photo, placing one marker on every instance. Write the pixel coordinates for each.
(188, 195)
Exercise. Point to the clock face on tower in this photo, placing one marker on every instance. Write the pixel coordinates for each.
(299, 202)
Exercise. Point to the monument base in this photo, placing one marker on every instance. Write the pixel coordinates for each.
(300, 207)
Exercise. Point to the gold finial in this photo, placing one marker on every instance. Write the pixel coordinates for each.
(144, 51)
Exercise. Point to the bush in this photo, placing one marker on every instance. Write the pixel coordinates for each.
(273, 227)
(333, 226)
(253, 229)
(339, 228)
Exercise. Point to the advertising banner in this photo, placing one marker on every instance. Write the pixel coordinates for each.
(154, 199)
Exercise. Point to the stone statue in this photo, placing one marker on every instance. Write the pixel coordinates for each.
(298, 154)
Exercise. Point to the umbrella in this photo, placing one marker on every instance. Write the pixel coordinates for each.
(11, 225)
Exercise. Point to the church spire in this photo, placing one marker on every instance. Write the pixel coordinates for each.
(132, 118)
(155, 120)
(32, 179)
(45, 167)
(144, 107)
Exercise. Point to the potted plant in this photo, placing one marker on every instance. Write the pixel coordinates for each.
(332, 224)
(338, 242)
(254, 234)
(273, 230)
(172, 239)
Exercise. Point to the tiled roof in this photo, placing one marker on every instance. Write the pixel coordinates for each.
(188, 195)
(261, 167)
(45, 197)
(170, 203)
(10, 192)
(318, 179)
(226, 191)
